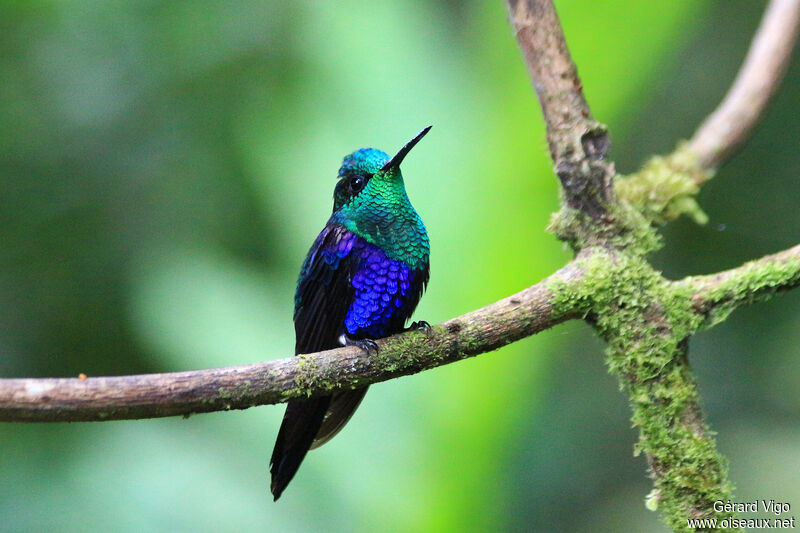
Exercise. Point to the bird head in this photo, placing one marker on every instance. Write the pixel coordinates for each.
(370, 182)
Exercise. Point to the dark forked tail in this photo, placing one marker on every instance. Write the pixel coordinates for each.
(300, 425)
(308, 424)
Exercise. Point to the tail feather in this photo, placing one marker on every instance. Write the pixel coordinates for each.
(306, 425)
(341, 408)
(300, 425)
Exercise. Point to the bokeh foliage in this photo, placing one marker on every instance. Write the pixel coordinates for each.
(164, 167)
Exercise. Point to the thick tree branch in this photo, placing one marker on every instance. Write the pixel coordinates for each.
(183, 393)
(578, 144)
(552, 301)
(758, 79)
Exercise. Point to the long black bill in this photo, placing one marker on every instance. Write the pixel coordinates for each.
(397, 159)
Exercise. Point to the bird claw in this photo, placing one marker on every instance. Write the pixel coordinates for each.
(368, 345)
(420, 325)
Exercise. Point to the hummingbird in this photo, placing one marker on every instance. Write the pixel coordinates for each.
(361, 281)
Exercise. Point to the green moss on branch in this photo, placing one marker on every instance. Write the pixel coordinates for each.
(646, 321)
(717, 295)
(665, 187)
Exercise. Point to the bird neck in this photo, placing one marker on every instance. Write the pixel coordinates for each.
(386, 218)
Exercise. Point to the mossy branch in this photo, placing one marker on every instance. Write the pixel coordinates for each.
(665, 187)
(239, 387)
(646, 320)
(570, 293)
(715, 296)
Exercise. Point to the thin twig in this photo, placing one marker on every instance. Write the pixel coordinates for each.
(718, 294)
(578, 144)
(183, 393)
(758, 79)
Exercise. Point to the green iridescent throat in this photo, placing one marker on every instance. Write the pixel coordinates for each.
(383, 215)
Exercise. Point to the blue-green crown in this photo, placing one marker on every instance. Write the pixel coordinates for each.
(363, 161)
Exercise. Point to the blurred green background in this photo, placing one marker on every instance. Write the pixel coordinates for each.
(164, 167)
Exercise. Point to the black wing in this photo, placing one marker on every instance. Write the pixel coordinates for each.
(344, 404)
(324, 293)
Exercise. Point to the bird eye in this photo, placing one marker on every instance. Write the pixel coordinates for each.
(356, 184)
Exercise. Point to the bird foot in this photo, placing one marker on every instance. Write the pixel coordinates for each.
(420, 325)
(368, 345)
